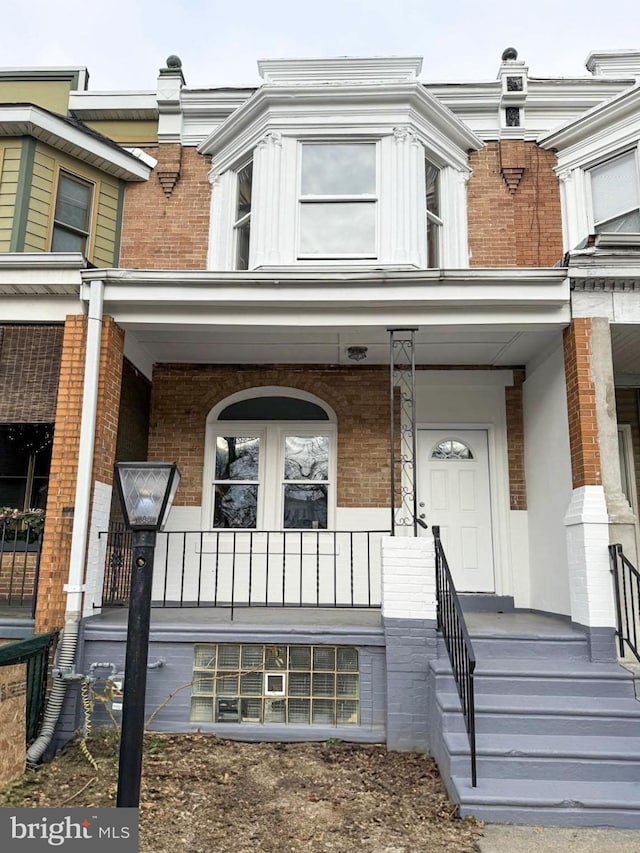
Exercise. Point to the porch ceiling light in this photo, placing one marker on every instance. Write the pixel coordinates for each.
(147, 490)
(357, 353)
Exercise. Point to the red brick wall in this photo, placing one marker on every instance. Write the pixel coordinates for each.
(520, 228)
(56, 545)
(168, 232)
(515, 441)
(29, 367)
(183, 396)
(581, 404)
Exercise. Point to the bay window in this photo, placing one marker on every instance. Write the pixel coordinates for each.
(242, 223)
(72, 216)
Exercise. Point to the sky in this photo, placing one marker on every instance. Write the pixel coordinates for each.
(123, 43)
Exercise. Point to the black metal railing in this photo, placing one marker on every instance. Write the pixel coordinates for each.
(252, 568)
(35, 653)
(20, 549)
(451, 624)
(626, 581)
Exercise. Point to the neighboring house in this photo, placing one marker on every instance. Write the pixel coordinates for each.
(279, 289)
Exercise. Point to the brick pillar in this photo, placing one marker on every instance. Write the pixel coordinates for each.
(409, 621)
(587, 519)
(56, 546)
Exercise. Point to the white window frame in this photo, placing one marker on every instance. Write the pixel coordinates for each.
(601, 162)
(238, 222)
(271, 457)
(370, 198)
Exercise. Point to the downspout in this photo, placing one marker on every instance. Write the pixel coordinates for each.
(75, 584)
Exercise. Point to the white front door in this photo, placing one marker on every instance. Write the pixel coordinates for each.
(453, 492)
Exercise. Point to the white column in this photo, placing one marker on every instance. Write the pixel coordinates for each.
(590, 581)
(403, 238)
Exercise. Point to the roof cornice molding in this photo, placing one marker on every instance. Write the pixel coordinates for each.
(601, 121)
(77, 77)
(340, 70)
(42, 260)
(28, 120)
(346, 109)
(118, 106)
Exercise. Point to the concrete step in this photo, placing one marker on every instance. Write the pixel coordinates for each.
(546, 757)
(558, 677)
(550, 715)
(550, 802)
(571, 646)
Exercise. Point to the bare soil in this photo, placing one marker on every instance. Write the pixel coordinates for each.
(202, 794)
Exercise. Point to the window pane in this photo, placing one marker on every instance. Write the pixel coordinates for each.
(432, 175)
(338, 169)
(614, 188)
(338, 228)
(245, 179)
(305, 507)
(306, 457)
(235, 506)
(243, 236)
(451, 449)
(67, 241)
(629, 223)
(72, 205)
(237, 457)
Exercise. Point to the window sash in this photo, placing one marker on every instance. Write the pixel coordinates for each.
(339, 220)
(271, 505)
(72, 215)
(615, 194)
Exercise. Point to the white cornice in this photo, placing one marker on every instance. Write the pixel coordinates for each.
(42, 273)
(340, 70)
(26, 120)
(601, 120)
(351, 109)
(117, 106)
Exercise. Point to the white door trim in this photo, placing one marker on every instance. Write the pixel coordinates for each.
(499, 493)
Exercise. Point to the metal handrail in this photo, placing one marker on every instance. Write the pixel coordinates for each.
(626, 579)
(239, 568)
(451, 624)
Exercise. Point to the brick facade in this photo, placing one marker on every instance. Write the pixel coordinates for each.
(517, 226)
(161, 231)
(183, 396)
(581, 405)
(515, 441)
(56, 546)
(29, 367)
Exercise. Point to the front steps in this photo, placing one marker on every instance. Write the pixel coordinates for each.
(558, 737)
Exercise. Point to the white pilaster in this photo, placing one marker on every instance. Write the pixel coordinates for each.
(591, 586)
(265, 194)
(408, 578)
(403, 222)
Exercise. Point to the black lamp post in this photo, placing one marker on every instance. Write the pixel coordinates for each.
(147, 490)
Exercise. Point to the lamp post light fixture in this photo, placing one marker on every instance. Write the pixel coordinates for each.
(146, 490)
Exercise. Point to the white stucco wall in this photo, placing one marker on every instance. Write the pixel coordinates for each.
(549, 486)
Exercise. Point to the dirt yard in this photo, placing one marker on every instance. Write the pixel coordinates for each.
(203, 794)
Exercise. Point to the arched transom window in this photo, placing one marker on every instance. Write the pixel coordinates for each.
(270, 463)
(451, 448)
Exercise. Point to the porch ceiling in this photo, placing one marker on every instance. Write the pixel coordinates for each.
(488, 345)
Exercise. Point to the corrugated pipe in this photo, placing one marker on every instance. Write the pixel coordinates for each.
(75, 586)
(66, 658)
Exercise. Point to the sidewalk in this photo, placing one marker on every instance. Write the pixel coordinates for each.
(551, 839)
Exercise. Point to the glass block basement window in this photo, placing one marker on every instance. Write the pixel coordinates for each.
(303, 685)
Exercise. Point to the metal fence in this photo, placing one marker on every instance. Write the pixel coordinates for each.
(20, 549)
(253, 568)
(35, 653)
